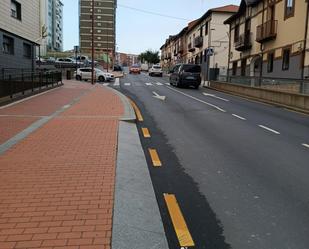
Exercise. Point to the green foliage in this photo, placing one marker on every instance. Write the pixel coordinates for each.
(149, 56)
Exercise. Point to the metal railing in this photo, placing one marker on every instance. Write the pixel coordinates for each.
(21, 81)
(276, 84)
(244, 42)
(266, 31)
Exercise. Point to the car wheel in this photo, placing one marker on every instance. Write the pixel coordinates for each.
(78, 77)
(101, 79)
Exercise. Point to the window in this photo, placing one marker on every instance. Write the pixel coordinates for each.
(27, 50)
(8, 45)
(201, 31)
(243, 67)
(289, 8)
(15, 9)
(234, 69)
(206, 28)
(270, 62)
(236, 33)
(286, 59)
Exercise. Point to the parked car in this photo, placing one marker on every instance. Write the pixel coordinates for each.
(135, 69)
(156, 70)
(85, 74)
(117, 68)
(186, 75)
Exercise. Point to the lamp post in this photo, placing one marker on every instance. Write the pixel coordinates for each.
(92, 45)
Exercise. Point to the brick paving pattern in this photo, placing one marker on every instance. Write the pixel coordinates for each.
(57, 185)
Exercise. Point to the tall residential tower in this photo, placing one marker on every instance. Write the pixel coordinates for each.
(104, 27)
(51, 12)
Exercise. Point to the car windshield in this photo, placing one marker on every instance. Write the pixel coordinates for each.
(135, 66)
(191, 68)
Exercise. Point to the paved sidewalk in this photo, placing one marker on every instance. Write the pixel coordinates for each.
(57, 184)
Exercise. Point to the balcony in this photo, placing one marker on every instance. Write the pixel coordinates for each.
(198, 42)
(266, 31)
(191, 48)
(180, 48)
(244, 42)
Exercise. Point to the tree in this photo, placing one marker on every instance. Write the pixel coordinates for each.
(149, 56)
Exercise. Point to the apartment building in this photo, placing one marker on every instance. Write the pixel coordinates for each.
(208, 41)
(204, 41)
(51, 18)
(19, 33)
(104, 27)
(269, 38)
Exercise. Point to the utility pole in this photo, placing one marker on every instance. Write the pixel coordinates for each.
(107, 46)
(92, 47)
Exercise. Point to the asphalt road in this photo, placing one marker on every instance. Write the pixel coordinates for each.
(239, 169)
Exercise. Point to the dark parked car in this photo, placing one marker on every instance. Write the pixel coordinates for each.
(186, 75)
(118, 68)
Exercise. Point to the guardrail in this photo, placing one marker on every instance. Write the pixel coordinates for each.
(15, 81)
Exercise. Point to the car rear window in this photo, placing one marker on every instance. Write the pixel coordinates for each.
(156, 67)
(191, 68)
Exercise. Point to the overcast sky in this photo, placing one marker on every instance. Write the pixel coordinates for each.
(137, 31)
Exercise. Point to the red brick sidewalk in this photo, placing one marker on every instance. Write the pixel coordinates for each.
(57, 185)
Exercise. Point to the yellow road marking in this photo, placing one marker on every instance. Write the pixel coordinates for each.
(137, 111)
(146, 132)
(155, 158)
(179, 223)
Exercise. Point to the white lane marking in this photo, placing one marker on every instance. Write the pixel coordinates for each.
(127, 84)
(105, 84)
(214, 96)
(117, 82)
(159, 84)
(168, 84)
(269, 129)
(306, 145)
(148, 84)
(204, 102)
(156, 95)
(236, 116)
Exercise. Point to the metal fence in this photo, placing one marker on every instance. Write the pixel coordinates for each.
(276, 84)
(15, 81)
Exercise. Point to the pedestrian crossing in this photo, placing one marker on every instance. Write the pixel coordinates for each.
(127, 84)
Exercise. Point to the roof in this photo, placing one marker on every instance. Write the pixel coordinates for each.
(242, 9)
(223, 9)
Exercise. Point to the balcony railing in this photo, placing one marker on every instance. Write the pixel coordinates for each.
(198, 42)
(244, 42)
(191, 48)
(266, 31)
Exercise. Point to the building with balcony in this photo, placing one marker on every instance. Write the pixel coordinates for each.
(208, 41)
(19, 33)
(51, 18)
(268, 38)
(104, 28)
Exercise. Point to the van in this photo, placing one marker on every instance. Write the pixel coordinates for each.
(186, 75)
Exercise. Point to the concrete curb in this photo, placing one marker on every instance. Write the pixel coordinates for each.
(250, 98)
(129, 114)
(136, 221)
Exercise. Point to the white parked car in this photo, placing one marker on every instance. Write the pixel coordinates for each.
(85, 74)
(67, 61)
(156, 70)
